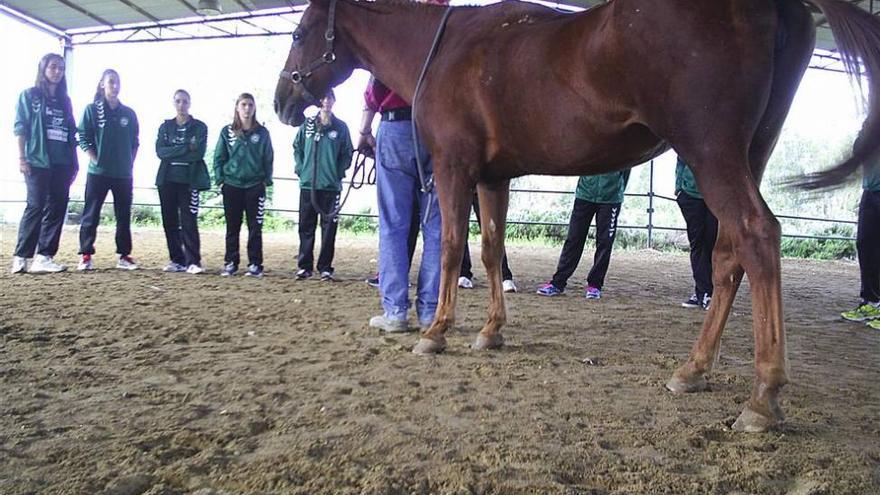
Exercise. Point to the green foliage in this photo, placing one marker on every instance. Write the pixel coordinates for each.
(822, 249)
(274, 222)
(359, 224)
(144, 215)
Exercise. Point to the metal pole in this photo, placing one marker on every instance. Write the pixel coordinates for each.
(67, 50)
(651, 207)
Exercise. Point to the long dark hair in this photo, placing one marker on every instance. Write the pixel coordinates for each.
(99, 92)
(236, 120)
(42, 83)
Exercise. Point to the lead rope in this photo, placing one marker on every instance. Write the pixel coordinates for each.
(360, 166)
(427, 183)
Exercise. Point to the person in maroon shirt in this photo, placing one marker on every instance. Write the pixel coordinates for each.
(400, 198)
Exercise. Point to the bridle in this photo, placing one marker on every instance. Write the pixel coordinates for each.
(298, 77)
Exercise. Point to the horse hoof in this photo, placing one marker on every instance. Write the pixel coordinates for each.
(677, 385)
(483, 343)
(750, 421)
(429, 347)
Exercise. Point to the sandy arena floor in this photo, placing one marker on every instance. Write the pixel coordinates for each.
(151, 383)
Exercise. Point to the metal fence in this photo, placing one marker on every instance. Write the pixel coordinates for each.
(650, 227)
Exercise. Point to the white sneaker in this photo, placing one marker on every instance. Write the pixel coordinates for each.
(45, 264)
(508, 286)
(19, 264)
(85, 263)
(465, 283)
(390, 326)
(172, 267)
(194, 269)
(126, 263)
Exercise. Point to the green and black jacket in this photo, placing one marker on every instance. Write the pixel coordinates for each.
(113, 134)
(29, 123)
(871, 176)
(604, 188)
(329, 148)
(685, 181)
(176, 148)
(243, 161)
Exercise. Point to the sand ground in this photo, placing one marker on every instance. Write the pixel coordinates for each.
(151, 383)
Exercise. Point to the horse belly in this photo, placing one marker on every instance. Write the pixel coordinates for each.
(573, 151)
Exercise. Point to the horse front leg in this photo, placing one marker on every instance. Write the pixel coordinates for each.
(493, 219)
(455, 194)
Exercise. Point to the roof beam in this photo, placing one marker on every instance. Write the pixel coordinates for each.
(84, 12)
(99, 37)
(249, 23)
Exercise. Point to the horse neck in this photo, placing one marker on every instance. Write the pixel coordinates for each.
(389, 39)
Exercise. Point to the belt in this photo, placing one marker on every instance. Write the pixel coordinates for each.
(404, 113)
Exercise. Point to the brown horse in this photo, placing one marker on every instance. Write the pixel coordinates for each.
(519, 89)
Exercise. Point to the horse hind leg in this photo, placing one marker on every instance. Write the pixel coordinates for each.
(727, 275)
(493, 218)
(754, 236)
(792, 55)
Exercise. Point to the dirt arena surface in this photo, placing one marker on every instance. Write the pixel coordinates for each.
(150, 383)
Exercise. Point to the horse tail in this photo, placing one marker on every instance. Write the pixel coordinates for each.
(857, 34)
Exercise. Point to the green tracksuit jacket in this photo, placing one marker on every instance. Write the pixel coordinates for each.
(685, 181)
(113, 134)
(179, 145)
(33, 122)
(328, 149)
(604, 188)
(871, 176)
(243, 161)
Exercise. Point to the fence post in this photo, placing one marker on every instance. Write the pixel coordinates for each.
(651, 206)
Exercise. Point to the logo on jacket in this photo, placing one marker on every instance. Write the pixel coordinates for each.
(311, 126)
(333, 134)
(123, 121)
(102, 116)
(255, 138)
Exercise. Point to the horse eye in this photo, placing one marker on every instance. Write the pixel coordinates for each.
(297, 37)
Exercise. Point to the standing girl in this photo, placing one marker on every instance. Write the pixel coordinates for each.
(243, 169)
(47, 159)
(181, 145)
(108, 132)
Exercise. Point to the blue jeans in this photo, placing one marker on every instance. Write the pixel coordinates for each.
(398, 191)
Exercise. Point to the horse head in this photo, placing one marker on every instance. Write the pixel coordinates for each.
(317, 61)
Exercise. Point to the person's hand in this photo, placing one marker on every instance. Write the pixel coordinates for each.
(367, 144)
(24, 167)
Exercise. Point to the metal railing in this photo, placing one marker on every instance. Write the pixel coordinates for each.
(650, 227)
